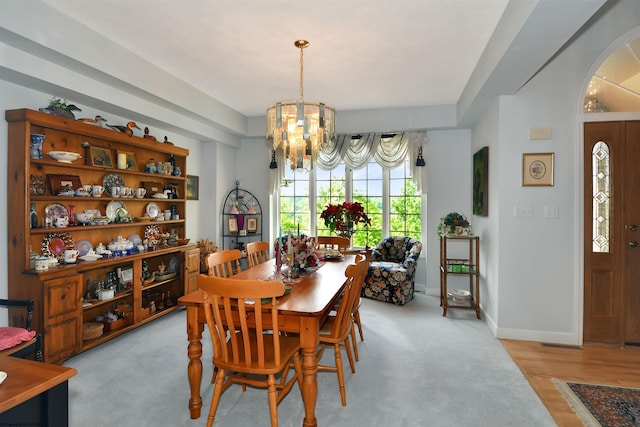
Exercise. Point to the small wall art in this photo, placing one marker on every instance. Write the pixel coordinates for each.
(537, 169)
(252, 225)
(481, 182)
(193, 182)
(233, 226)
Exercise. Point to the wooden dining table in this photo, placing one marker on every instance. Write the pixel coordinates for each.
(302, 311)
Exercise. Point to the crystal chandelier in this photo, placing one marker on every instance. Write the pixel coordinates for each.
(299, 128)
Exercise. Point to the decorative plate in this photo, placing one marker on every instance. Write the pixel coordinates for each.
(54, 244)
(111, 180)
(84, 246)
(90, 258)
(330, 257)
(55, 210)
(113, 210)
(152, 209)
(151, 232)
(174, 263)
(160, 277)
(135, 239)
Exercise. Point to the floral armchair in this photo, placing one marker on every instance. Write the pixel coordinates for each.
(392, 270)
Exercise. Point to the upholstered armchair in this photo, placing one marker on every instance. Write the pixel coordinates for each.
(392, 270)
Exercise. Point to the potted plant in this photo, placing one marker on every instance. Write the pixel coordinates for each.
(343, 218)
(454, 224)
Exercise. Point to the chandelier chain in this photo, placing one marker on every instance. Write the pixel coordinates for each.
(301, 74)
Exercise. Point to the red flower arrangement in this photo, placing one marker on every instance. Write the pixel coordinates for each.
(344, 217)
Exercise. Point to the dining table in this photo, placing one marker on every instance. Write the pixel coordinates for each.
(301, 311)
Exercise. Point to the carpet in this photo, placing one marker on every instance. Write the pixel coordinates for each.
(599, 405)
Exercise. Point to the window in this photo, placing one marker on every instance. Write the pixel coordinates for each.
(389, 198)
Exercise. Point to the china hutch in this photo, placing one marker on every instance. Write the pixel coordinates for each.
(72, 297)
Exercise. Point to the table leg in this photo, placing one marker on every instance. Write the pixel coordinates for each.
(194, 352)
(309, 341)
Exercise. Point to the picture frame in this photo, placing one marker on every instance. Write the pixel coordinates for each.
(101, 157)
(126, 160)
(233, 225)
(537, 169)
(193, 184)
(252, 225)
(481, 182)
(58, 182)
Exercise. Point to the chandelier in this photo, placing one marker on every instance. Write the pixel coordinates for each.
(299, 128)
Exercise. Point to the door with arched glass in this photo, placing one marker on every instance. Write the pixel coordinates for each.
(612, 233)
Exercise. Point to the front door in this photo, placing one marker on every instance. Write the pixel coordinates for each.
(612, 233)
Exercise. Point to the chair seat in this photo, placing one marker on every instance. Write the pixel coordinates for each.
(22, 349)
(288, 346)
(11, 336)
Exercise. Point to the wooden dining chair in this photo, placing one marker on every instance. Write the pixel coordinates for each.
(333, 242)
(355, 312)
(245, 350)
(257, 253)
(336, 330)
(224, 263)
(20, 341)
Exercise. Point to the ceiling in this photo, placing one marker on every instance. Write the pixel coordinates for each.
(363, 54)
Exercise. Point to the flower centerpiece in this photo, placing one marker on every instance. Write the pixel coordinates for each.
(302, 248)
(454, 224)
(343, 218)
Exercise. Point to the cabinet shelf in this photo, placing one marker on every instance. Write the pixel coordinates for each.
(99, 303)
(58, 292)
(468, 266)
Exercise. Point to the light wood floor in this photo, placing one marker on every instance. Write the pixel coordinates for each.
(589, 364)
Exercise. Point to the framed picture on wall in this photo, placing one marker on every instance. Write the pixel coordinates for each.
(537, 169)
(101, 157)
(193, 183)
(481, 182)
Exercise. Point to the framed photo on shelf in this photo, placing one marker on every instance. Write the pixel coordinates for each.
(233, 225)
(537, 169)
(192, 187)
(126, 160)
(58, 182)
(101, 157)
(252, 225)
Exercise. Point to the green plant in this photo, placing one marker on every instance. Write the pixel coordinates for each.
(58, 104)
(451, 221)
(344, 216)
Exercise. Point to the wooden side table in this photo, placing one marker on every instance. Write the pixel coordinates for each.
(465, 266)
(34, 393)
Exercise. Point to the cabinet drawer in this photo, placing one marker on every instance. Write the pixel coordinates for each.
(62, 296)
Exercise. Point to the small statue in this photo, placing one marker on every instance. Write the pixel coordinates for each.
(128, 129)
(59, 107)
(96, 122)
(147, 136)
(166, 140)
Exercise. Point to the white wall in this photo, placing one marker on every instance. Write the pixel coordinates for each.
(536, 287)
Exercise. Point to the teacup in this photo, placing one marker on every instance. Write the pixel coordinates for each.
(97, 190)
(115, 191)
(87, 188)
(61, 221)
(128, 192)
(71, 255)
(140, 192)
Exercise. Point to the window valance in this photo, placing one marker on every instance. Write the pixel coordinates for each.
(388, 150)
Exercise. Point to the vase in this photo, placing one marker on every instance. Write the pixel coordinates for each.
(35, 150)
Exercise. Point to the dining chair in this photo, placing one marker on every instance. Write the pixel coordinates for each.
(20, 341)
(333, 242)
(224, 263)
(257, 253)
(246, 351)
(336, 330)
(355, 312)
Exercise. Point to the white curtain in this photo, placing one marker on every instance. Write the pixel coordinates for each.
(388, 150)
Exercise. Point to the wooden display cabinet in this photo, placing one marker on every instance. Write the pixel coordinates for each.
(62, 294)
(467, 265)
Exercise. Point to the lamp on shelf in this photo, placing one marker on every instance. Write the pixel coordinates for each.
(299, 128)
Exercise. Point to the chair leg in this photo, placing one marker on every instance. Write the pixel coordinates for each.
(356, 319)
(343, 393)
(354, 342)
(347, 345)
(217, 392)
(273, 405)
